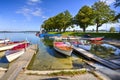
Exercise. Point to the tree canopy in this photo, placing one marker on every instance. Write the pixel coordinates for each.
(59, 22)
(117, 4)
(112, 29)
(97, 14)
(103, 14)
(84, 17)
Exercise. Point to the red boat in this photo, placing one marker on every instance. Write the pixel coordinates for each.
(96, 39)
(16, 51)
(9, 45)
(21, 46)
(63, 48)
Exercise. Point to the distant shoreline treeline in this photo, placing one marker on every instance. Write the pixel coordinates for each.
(18, 31)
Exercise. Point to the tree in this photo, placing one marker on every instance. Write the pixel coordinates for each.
(58, 22)
(84, 17)
(117, 4)
(67, 19)
(103, 14)
(112, 29)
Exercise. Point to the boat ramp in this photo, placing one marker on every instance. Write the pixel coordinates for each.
(20, 64)
(91, 56)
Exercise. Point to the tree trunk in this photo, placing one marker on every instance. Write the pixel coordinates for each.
(97, 28)
(64, 30)
(84, 29)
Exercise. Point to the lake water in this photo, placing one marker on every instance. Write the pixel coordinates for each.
(48, 59)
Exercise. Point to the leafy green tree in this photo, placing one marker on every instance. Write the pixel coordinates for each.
(59, 22)
(66, 20)
(103, 14)
(112, 29)
(117, 4)
(84, 17)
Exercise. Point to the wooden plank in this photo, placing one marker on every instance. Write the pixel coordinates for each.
(20, 63)
(116, 43)
(96, 58)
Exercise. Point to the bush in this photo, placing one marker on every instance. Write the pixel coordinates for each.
(112, 29)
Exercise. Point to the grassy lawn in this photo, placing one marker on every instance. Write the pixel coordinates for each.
(106, 35)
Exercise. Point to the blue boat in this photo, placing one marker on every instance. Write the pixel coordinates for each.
(48, 35)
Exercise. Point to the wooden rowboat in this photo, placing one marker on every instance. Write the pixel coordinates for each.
(63, 48)
(9, 45)
(16, 52)
(93, 38)
(4, 40)
(96, 39)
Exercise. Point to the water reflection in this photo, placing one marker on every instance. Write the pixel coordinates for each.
(105, 50)
(49, 59)
(98, 48)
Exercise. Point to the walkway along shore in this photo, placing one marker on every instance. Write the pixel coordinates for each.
(20, 64)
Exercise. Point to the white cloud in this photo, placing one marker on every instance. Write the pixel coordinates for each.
(31, 9)
(108, 1)
(37, 12)
(30, 12)
(44, 17)
(33, 2)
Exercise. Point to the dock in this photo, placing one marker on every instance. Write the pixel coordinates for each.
(91, 56)
(20, 64)
(115, 43)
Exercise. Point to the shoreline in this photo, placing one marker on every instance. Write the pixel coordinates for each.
(39, 75)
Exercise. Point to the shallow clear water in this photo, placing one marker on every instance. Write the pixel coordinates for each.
(100, 48)
(46, 58)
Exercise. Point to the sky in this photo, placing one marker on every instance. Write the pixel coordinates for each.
(27, 15)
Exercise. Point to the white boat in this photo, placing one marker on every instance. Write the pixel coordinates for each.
(10, 45)
(4, 40)
(12, 55)
(16, 52)
(82, 44)
(63, 48)
(85, 47)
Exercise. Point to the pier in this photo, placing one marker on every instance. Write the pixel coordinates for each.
(115, 43)
(91, 56)
(20, 64)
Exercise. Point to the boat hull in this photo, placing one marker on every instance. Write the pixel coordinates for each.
(4, 40)
(85, 47)
(12, 55)
(67, 53)
(63, 48)
(9, 46)
(93, 39)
